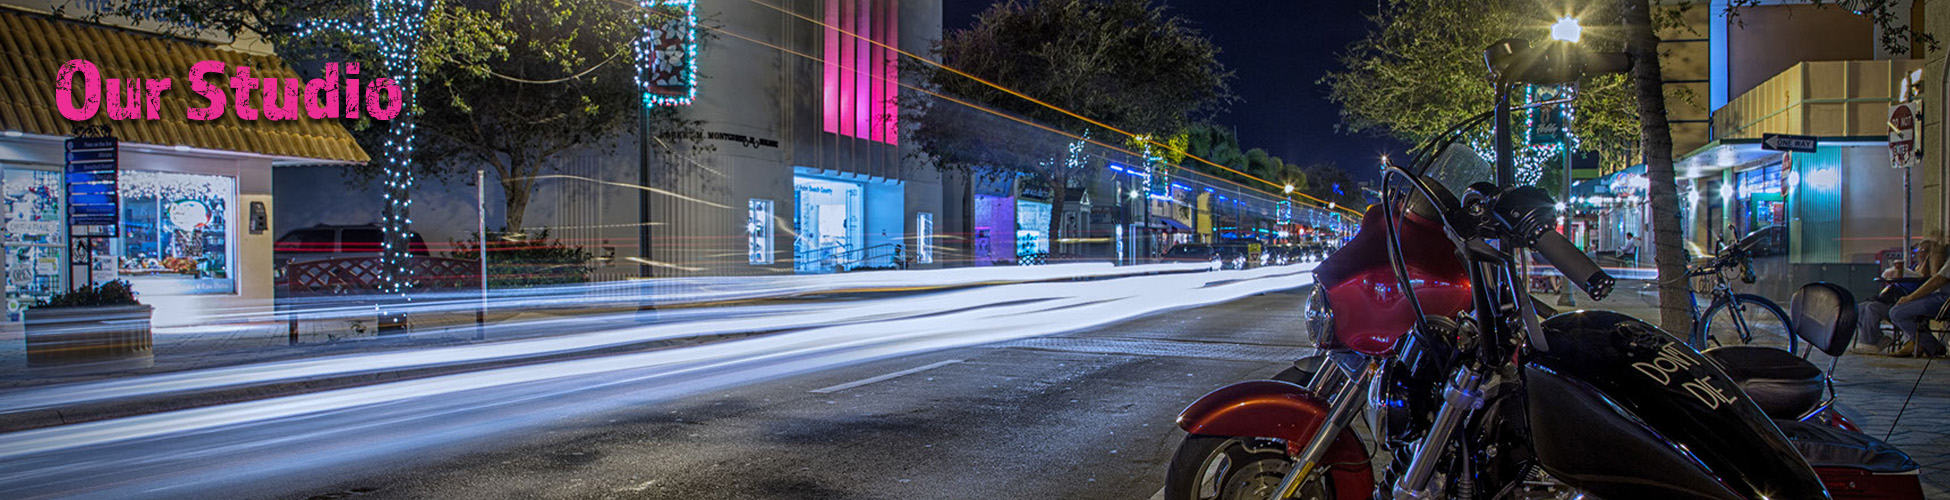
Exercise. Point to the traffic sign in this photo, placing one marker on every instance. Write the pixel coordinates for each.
(1789, 143)
(1903, 122)
(94, 205)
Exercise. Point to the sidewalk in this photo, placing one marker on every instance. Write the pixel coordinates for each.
(1872, 386)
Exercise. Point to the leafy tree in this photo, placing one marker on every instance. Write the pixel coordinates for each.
(557, 76)
(1420, 70)
(1124, 63)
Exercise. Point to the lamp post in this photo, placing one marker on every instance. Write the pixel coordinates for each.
(1566, 30)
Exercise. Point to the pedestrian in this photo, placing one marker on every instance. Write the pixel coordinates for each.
(1629, 251)
(1909, 312)
(900, 257)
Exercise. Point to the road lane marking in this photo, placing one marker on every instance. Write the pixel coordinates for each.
(869, 380)
(1160, 495)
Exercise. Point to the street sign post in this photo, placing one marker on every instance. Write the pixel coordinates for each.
(94, 203)
(1903, 122)
(1788, 143)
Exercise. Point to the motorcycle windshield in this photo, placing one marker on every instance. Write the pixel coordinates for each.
(1457, 167)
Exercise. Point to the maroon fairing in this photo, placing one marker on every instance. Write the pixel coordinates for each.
(1370, 312)
(1284, 411)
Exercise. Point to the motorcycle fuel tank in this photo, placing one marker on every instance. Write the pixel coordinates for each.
(1621, 409)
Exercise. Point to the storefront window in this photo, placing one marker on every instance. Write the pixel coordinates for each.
(924, 238)
(758, 231)
(34, 243)
(176, 232)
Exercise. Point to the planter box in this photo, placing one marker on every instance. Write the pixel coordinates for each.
(89, 338)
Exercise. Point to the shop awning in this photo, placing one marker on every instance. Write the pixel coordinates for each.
(1736, 153)
(33, 48)
(1168, 222)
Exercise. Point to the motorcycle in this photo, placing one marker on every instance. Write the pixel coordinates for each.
(1431, 336)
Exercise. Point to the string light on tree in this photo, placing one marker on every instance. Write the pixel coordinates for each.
(395, 28)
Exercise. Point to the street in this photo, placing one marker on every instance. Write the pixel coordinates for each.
(1083, 415)
(808, 413)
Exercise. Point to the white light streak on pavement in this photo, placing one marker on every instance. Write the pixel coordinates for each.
(275, 437)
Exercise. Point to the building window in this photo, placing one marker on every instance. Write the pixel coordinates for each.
(176, 232)
(758, 231)
(924, 238)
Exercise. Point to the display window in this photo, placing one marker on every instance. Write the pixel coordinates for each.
(176, 234)
(35, 241)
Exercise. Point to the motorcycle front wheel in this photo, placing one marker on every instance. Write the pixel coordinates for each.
(1230, 468)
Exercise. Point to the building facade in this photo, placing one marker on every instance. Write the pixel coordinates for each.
(194, 226)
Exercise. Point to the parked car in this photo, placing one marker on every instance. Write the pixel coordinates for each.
(323, 241)
(1186, 253)
(1241, 254)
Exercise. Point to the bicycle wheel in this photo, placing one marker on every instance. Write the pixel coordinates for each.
(1745, 320)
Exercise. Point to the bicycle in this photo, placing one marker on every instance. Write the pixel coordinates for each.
(1735, 318)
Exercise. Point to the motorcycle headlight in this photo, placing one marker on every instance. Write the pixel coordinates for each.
(1320, 319)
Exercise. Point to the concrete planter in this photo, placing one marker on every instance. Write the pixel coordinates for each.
(107, 338)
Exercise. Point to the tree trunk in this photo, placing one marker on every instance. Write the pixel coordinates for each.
(517, 195)
(1056, 204)
(1675, 313)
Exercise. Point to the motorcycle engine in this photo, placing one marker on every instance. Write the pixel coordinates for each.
(1404, 397)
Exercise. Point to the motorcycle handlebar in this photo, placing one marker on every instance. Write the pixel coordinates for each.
(1574, 264)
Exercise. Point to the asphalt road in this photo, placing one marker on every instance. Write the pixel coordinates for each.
(1082, 415)
(1058, 390)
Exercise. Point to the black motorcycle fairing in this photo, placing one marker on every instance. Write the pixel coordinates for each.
(1616, 390)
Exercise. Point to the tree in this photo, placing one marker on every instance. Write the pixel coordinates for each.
(1122, 63)
(557, 76)
(1420, 70)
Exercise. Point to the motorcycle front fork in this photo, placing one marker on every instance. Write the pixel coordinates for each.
(1342, 406)
(1463, 393)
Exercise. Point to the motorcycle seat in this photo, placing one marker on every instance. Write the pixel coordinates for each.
(1782, 384)
(1785, 385)
(1825, 446)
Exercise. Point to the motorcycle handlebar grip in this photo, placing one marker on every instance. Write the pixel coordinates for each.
(1574, 264)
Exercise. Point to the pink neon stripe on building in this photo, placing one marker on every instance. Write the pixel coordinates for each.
(891, 75)
(861, 79)
(863, 64)
(831, 102)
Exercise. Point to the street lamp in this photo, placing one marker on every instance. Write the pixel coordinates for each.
(1289, 189)
(1567, 29)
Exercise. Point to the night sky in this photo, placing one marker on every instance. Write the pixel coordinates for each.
(1277, 50)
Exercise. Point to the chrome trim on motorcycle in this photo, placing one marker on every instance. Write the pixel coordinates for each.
(1462, 395)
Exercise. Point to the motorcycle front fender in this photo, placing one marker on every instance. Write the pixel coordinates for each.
(1258, 408)
(1283, 411)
